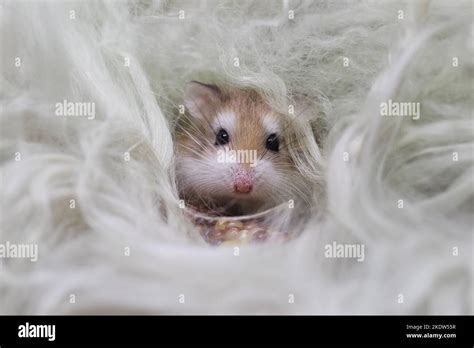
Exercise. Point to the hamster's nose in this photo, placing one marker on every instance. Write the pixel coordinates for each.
(243, 182)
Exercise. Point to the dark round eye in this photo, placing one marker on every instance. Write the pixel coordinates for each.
(272, 143)
(222, 137)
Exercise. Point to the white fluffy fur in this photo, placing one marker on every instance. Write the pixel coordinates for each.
(409, 251)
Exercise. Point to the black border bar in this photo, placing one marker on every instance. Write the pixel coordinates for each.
(289, 330)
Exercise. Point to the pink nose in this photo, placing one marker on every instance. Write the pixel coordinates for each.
(243, 182)
(242, 187)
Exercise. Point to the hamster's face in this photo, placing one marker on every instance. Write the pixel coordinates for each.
(231, 149)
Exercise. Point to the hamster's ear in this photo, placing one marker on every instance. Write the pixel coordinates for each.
(201, 99)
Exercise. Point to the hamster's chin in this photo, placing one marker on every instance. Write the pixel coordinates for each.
(231, 203)
(242, 204)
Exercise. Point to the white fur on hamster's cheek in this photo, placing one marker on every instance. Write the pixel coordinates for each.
(204, 176)
(268, 179)
(277, 184)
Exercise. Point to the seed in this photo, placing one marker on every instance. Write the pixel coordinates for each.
(260, 235)
(244, 234)
(221, 224)
(232, 233)
(236, 224)
(252, 226)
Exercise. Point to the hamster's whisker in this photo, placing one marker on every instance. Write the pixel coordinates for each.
(194, 151)
(193, 129)
(194, 139)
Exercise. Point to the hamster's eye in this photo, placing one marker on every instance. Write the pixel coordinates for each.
(272, 143)
(222, 137)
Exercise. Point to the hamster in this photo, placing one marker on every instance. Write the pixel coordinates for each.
(232, 152)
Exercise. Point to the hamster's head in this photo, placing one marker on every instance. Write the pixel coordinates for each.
(231, 150)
